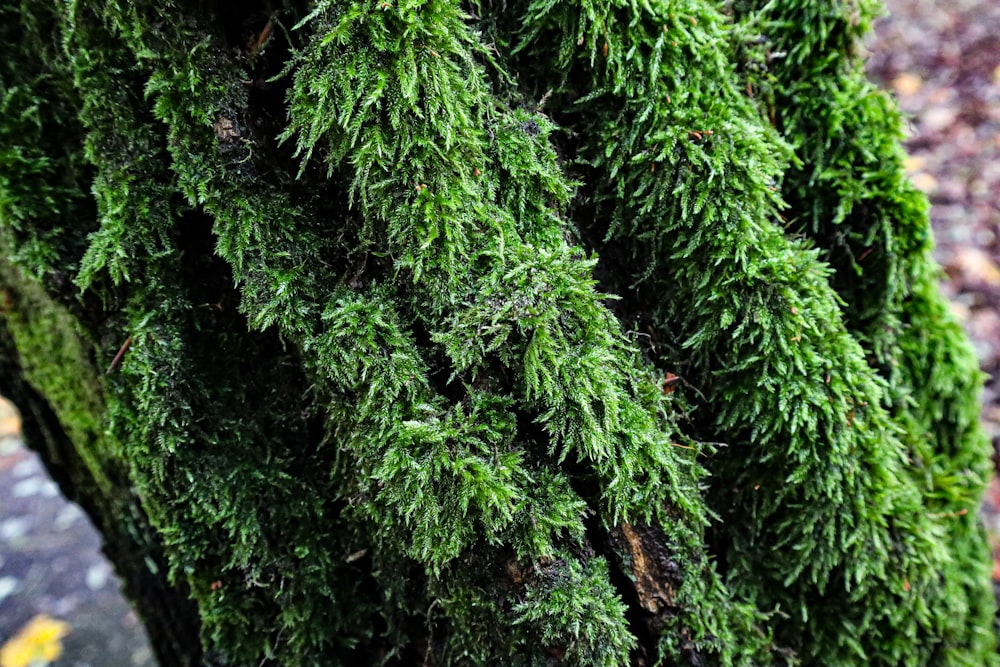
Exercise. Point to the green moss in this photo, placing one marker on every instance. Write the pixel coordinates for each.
(56, 361)
(690, 189)
(379, 400)
(42, 170)
(40, 195)
(849, 193)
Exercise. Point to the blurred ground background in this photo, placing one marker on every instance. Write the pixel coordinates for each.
(51, 566)
(941, 60)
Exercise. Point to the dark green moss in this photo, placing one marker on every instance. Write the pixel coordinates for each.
(349, 268)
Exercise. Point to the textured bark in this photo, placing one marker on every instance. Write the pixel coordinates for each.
(305, 306)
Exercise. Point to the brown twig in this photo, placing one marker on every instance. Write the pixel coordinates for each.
(118, 357)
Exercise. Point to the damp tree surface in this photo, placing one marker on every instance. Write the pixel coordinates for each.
(503, 333)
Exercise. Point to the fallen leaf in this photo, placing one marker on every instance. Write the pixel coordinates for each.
(38, 643)
(977, 267)
(924, 182)
(914, 163)
(907, 84)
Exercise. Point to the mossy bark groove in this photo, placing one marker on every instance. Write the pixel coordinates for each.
(523, 333)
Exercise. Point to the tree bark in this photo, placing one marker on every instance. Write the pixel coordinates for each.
(528, 333)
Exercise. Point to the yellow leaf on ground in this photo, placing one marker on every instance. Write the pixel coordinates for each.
(924, 182)
(907, 84)
(976, 266)
(10, 422)
(37, 644)
(914, 162)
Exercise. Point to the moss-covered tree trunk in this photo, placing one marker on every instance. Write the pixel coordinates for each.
(537, 332)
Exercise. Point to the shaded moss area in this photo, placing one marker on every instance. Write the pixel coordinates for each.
(421, 333)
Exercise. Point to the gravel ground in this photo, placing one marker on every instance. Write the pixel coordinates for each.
(51, 565)
(942, 62)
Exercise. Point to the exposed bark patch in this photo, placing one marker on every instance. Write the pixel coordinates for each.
(226, 130)
(653, 570)
(649, 578)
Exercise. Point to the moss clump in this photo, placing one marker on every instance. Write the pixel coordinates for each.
(849, 194)
(466, 339)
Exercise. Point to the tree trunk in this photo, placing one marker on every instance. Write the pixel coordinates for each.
(523, 333)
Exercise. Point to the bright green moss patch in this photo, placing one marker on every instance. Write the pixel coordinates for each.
(485, 338)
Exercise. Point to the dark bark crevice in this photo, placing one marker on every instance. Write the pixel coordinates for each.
(642, 568)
